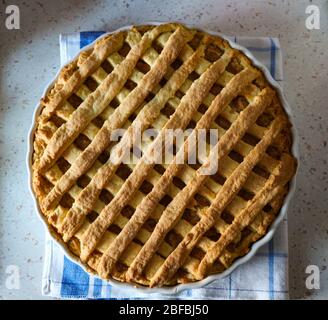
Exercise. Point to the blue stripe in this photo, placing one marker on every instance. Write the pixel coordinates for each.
(230, 286)
(109, 291)
(275, 254)
(75, 281)
(273, 59)
(241, 290)
(89, 36)
(271, 270)
(97, 286)
(266, 49)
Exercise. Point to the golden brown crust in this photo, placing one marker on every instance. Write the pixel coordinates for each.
(103, 211)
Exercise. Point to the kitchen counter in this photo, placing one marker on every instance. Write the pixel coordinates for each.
(29, 59)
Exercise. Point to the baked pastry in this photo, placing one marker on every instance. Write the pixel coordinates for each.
(159, 224)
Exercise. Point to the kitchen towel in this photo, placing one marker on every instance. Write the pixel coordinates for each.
(265, 276)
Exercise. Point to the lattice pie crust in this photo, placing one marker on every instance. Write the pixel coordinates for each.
(160, 224)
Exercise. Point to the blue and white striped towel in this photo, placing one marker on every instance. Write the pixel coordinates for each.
(264, 277)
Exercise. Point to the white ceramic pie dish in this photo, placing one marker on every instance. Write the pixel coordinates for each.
(239, 261)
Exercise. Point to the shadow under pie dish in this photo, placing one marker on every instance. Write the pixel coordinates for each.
(160, 224)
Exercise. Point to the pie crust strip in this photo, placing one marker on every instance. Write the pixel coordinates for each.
(169, 53)
(86, 200)
(102, 49)
(176, 207)
(273, 187)
(180, 119)
(150, 201)
(229, 189)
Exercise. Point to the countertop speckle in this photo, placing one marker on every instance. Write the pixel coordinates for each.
(29, 59)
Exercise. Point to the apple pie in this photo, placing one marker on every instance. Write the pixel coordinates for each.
(156, 223)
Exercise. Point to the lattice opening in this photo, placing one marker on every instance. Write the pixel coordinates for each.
(132, 117)
(176, 64)
(103, 157)
(127, 211)
(223, 122)
(83, 181)
(196, 40)
(165, 201)
(63, 164)
(125, 49)
(197, 253)
(120, 267)
(130, 84)
(202, 108)
(106, 65)
(82, 141)
(234, 66)
(239, 104)
(233, 246)
(191, 125)
(273, 152)
(163, 81)
(91, 83)
(57, 120)
(179, 94)
(264, 119)
(150, 224)
(92, 216)
(146, 187)
(250, 139)
(216, 89)
(217, 267)
(105, 196)
(227, 217)
(149, 97)
(178, 183)
(236, 156)
(245, 194)
(159, 168)
(261, 171)
(212, 234)
(114, 229)
(98, 122)
(123, 171)
(191, 216)
(202, 201)
(173, 238)
(168, 110)
(114, 103)
(157, 47)
(47, 185)
(66, 201)
(193, 76)
(218, 178)
(267, 208)
(213, 52)
(142, 66)
(74, 100)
